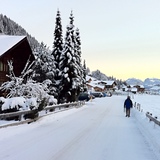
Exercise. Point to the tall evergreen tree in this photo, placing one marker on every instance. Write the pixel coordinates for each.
(81, 76)
(58, 43)
(84, 75)
(68, 66)
(57, 49)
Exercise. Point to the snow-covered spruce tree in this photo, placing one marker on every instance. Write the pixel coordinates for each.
(44, 68)
(57, 49)
(81, 76)
(68, 66)
(84, 76)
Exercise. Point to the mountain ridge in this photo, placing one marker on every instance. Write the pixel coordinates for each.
(147, 83)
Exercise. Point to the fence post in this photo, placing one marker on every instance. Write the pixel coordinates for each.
(20, 117)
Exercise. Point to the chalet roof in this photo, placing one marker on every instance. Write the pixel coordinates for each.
(134, 89)
(93, 84)
(7, 42)
(109, 83)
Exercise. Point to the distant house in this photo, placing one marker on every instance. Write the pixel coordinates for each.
(124, 88)
(140, 88)
(134, 90)
(89, 86)
(94, 86)
(17, 49)
(99, 88)
(110, 85)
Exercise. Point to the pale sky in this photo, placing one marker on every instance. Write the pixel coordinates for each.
(121, 38)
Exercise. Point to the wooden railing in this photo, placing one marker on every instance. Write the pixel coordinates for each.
(19, 114)
(148, 115)
(138, 106)
(14, 114)
(154, 119)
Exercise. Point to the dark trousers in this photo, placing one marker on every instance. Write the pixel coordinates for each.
(128, 112)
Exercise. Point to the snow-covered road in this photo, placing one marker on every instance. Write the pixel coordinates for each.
(97, 131)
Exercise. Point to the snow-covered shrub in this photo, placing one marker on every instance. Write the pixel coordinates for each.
(24, 86)
(15, 103)
(31, 103)
(2, 101)
(51, 100)
(18, 103)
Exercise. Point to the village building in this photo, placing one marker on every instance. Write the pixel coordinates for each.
(95, 87)
(136, 88)
(17, 50)
(110, 85)
(140, 88)
(133, 90)
(99, 86)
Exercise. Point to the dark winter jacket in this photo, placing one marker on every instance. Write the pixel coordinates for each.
(128, 103)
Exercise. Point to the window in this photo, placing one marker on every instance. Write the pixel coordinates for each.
(1, 66)
(6, 67)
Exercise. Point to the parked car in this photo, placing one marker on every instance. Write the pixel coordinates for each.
(84, 97)
(97, 94)
(104, 94)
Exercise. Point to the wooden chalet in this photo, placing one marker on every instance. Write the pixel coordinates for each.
(140, 88)
(110, 85)
(99, 88)
(17, 49)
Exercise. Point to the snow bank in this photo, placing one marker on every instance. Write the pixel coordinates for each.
(20, 103)
(149, 103)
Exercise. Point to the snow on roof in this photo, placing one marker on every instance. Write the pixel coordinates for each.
(95, 84)
(99, 86)
(7, 42)
(109, 82)
(141, 86)
(134, 89)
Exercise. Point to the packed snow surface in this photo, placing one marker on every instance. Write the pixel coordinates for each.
(97, 131)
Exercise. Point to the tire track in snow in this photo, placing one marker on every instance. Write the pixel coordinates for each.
(87, 133)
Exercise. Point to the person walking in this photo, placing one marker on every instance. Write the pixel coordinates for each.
(128, 105)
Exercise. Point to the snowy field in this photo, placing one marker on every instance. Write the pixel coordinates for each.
(97, 131)
(149, 103)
